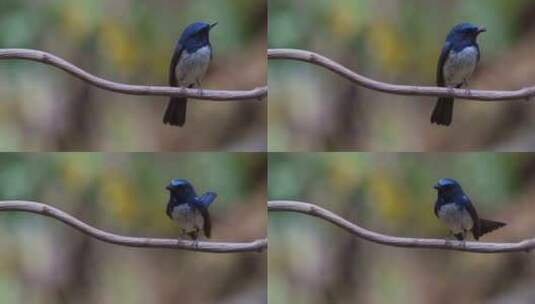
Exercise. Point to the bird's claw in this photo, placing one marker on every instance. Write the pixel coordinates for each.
(451, 91)
(201, 91)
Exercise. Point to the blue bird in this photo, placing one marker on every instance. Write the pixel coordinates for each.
(454, 208)
(458, 60)
(189, 210)
(190, 61)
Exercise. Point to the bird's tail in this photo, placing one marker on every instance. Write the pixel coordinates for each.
(443, 112)
(487, 226)
(208, 198)
(175, 114)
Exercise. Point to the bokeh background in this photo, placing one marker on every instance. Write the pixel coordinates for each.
(129, 41)
(45, 261)
(311, 261)
(396, 41)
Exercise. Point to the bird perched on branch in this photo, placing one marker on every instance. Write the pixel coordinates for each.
(190, 61)
(456, 210)
(458, 60)
(189, 210)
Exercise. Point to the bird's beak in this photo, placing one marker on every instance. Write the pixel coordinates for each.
(168, 188)
(481, 29)
(436, 186)
(213, 25)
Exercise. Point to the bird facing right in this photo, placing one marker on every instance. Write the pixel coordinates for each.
(458, 60)
(454, 208)
(190, 61)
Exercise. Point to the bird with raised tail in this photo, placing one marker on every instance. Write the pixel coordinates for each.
(188, 210)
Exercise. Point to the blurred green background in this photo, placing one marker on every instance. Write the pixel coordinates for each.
(311, 261)
(45, 261)
(129, 41)
(397, 41)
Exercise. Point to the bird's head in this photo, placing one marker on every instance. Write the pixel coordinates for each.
(196, 33)
(466, 32)
(180, 186)
(447, 185)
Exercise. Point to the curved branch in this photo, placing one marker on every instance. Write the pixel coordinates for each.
(213, 247)
(316, 59)
(214, 95)
(481, 247)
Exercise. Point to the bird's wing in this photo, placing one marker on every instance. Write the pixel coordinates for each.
(188, 188)
(436, 209)
(169, 210)
(476, 229)
(208, 198)
(207, 223)
(174, 61)
(211, 52)
(441, 61)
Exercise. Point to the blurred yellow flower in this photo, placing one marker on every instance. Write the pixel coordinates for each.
(388, 195)
(344, 174)
(120, 46)
(77, 23)
(119, 192)
(388, 47)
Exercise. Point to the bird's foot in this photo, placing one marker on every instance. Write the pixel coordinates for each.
(194, 235)
(469, 91)
(465, 85)
(201, 91)
(451, 90)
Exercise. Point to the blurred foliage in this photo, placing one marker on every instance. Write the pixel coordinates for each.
(127, 41)
(311, 261)
(396, 41)
(43, 261)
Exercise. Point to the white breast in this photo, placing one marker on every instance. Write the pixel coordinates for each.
(459, 66)
(458, 220)
(189, 219)
(191, 68)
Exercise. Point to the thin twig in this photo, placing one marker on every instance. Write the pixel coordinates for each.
(213, 95)
(319, 60)
(201, 246)
(481, 247)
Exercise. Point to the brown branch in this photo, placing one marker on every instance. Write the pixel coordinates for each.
(481, 247)
(213, 247)
(214, 95)
(316, 59)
